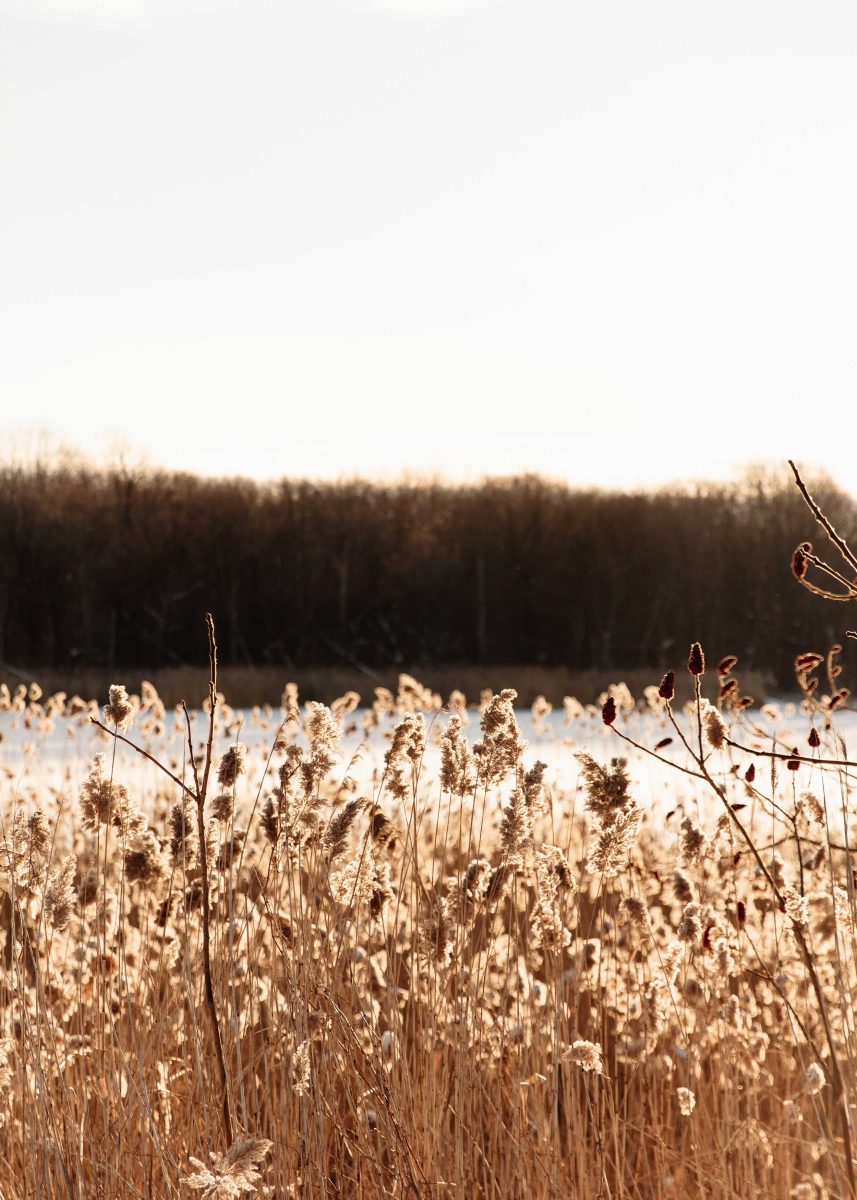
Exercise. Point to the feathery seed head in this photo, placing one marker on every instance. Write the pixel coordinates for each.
(231, 765)
(119, 711)
(686, 1101)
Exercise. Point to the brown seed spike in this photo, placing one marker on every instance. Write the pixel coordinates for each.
(750, 773)
(793, 763)
(696, 660)
(808, 661)
(667, 689)
(608, 711)
(727, 664)
(813, 739)
(799, 563)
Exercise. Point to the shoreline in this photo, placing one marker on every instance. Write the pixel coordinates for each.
(245, 687)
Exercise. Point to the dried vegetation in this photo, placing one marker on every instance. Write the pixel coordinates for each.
(393, 954)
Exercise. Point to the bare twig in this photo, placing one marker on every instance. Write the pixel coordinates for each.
(839, 542)
(145, 754)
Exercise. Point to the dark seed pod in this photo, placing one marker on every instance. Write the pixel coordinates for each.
(696, 660)
(608, 711)
(799, 559)
(667, 689)
(808, 661)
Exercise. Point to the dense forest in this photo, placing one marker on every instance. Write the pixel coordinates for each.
(116, 568)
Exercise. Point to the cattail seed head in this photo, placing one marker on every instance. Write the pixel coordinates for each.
(608, 711)
(696, 660)
(667, 688)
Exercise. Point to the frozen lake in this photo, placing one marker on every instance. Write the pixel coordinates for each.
(57, 756)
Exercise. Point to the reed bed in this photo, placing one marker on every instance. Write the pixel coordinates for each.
(396, 952)
(434, 964)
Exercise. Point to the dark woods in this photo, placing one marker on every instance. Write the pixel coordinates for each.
(117, 568)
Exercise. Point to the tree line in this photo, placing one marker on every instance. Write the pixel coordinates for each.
(116, 567)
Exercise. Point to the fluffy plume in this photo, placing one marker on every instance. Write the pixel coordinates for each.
(712, 725)
(105, 802)
(119, 711)
(231, 1174)
(637, 913)
(686, 1101)
(301, 1069)
(457, 768)
(184, 840)
(586, 1055)
(404, 755)
(335, 839)
(617, 814)
(231, 765)
(692, 842)
(143, 859)
(501, 746)
(814, 1079)
(60, 895)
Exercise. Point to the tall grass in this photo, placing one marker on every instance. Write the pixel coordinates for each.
(392, 953)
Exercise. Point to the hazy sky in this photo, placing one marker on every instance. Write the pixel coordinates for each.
(616, 242)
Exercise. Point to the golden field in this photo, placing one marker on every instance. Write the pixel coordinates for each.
(396, 951)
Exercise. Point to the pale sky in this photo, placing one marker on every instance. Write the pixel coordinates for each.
(615, 242)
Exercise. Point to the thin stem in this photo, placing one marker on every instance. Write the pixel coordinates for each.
(839, 542)
(145, 754)
(798, 758)
(206, 900)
